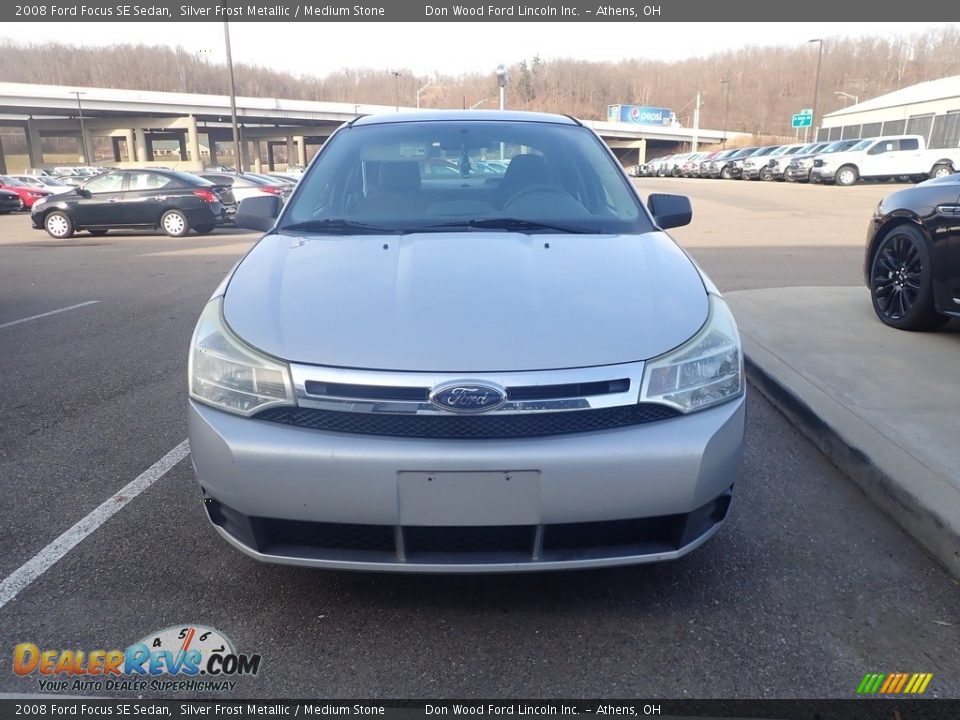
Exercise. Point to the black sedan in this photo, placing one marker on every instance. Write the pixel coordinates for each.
(9, 202)
(912, 263)
(174, 202)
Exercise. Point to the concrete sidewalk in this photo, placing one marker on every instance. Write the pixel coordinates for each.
(883, 404)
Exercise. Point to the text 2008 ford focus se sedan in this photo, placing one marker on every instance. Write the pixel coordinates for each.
(433, 364)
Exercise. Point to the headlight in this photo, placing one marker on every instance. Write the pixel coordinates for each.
(705, 371)
(228, 374)
(805, 163)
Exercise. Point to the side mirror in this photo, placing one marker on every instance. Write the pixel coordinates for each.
(83, 192)
(258, 213)
(670, 211)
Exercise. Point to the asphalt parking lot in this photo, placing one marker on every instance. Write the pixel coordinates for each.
(807, 588)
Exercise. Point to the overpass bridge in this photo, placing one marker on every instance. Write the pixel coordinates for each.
(189, 131)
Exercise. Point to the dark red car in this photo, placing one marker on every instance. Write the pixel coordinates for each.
(28, 195)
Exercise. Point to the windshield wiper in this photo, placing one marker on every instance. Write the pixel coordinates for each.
(341, 225)
(515, 224)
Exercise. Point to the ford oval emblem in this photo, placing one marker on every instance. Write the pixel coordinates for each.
(468, 397)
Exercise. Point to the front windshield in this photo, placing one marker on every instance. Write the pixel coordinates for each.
(429, 175)
(863, 144)
(6, 180)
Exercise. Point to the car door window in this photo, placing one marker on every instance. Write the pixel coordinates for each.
(909, 144)
(880, 148)
(111, 182)
(147, 181)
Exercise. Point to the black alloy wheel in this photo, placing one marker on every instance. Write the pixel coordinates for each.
(901, 282)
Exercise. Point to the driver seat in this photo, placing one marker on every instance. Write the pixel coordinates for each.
(523, 171)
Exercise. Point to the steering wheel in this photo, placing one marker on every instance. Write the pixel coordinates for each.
(531, 189)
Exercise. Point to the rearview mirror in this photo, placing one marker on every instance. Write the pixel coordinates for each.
(258, 213)
(670, 211)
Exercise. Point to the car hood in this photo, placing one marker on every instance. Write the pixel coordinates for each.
(465, 302)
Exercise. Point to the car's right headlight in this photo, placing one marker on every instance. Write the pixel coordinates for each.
(230, 375)
(705, 371)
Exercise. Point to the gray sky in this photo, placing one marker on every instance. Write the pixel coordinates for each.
(320, 48)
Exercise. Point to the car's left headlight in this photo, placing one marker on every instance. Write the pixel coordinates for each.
(705, 371)
(230, 375)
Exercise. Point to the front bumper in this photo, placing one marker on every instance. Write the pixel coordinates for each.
(822, 174)
(629, 495)
(797, 174)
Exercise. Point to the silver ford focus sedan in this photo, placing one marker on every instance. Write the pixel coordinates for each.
(435, 361)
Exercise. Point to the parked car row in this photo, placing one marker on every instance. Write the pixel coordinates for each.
(152, 198)
(904, 157)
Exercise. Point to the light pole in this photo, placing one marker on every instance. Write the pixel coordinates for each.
(816, 89)
(396, 90)
(855, 98)
(726, 109)
(83, 134)
(503, 78)
(233, 99)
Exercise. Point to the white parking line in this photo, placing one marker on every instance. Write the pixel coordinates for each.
(46, 558)
(47, 314)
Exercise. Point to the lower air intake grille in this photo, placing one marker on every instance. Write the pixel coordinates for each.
(474, 426)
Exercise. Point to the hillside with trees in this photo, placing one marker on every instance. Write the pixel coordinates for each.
(767, 84)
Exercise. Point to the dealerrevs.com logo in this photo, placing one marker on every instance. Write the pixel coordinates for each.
(178, 658)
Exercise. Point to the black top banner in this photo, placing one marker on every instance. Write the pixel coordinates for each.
(649, 11)
(926, 709)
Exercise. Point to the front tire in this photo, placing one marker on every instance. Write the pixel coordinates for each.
(58, 225)
(847, 175)
(766, 174)
(901, 281)
(174, 223)
(726, 173)
(941, 170)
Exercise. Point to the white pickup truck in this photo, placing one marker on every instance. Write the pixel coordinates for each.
(884, 158)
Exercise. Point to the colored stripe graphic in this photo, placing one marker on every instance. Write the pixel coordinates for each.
(894, 683)
(912, 684)
(903, 680)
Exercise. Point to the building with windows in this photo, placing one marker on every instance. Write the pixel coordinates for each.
(930, 109)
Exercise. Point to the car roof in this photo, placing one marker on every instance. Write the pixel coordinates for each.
(441, 115)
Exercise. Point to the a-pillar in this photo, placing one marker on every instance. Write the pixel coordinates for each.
(193, 139)
(143, 152)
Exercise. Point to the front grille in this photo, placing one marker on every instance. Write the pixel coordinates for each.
(333, 536)
(421, 394)
(458, 540)
(471, 544)
(470, 427)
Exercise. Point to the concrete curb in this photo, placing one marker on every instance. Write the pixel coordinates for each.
(914, 496)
